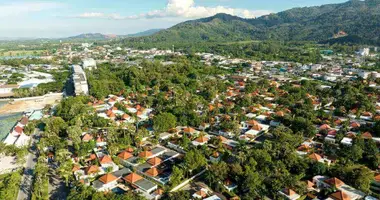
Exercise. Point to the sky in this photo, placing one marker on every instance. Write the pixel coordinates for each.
(63, 18)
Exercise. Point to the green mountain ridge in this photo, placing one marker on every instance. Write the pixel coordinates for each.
(359, 19)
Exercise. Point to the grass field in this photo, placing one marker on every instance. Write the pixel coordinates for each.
(21, 53)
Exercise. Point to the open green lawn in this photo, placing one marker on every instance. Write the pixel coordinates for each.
(21, 53)
(9, 185)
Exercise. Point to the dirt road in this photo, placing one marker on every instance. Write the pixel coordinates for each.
(29, 104)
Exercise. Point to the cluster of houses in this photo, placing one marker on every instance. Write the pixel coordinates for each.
(17, 136)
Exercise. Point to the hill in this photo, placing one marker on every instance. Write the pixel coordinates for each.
(358, 19)
(145, 33)
(92, 36)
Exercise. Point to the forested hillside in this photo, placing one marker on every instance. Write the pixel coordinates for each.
(357, 19)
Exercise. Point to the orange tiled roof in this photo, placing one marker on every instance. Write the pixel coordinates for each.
(87, 137)
(289, 192)
(105, 159)
(309, 184)
(221, 138)
(19, 129)
(125, 155)
(153, 172)
(159, 191)
(377, 178)
(315, 156)
(252, 123)
(92, 169)
(189, 130)
(129, 149)
(132, 178)
(367, 135)
(201, 193)
(155, 161)
(107, 178)
(334, 182)
(145, 154)
(339, 195)
(125, 116)
(324, 127)
(355, 125)
(75, 168)
(202, 139)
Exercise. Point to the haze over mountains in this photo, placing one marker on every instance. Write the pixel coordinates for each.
(358, 20)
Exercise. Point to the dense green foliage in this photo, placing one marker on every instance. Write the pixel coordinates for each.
(9, 185)
(356, 18)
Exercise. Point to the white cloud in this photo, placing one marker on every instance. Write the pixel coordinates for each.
(22, 8)
(182, 9)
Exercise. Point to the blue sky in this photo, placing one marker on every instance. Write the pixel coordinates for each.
(49, 18)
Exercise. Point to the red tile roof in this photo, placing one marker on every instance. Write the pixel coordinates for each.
(92, 169)
(334, 182)
(125, 155)
(132, 178)
(339, 195)
(107, 178)
(105, 159)
(315, 157)
(155, 161)
(145, 154)
(153, 172)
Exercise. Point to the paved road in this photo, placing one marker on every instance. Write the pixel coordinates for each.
(57, 187)
(25, 192)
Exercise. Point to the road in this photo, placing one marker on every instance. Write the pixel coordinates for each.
(57, 187)
(25, 192)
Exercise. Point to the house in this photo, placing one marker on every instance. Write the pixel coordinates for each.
(146, 154)
(375, 184)
(215, 157)
(105, 183)
(87, 137)
(318, 158)
(339, 195)
(139, 182)
(6, 90)
(229, 185)
(289, 194)
(346, 141)
(202, 140)
(213, 197)
(201, 194)
(325, 182)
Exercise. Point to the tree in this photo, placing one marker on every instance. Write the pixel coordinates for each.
(164, 121)
(55, 126)
(318, 168)
(65, 170)
(176, 177)
(219, 170)
(74, 133)
(194, 160)
(180, 195)
(29, 128)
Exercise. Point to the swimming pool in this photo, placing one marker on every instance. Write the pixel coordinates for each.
(118, 190)
(37, 115)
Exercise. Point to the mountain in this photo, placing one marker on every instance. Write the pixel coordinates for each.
(145, 33)
(360, 20)
(92, 36)
(100, 36)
